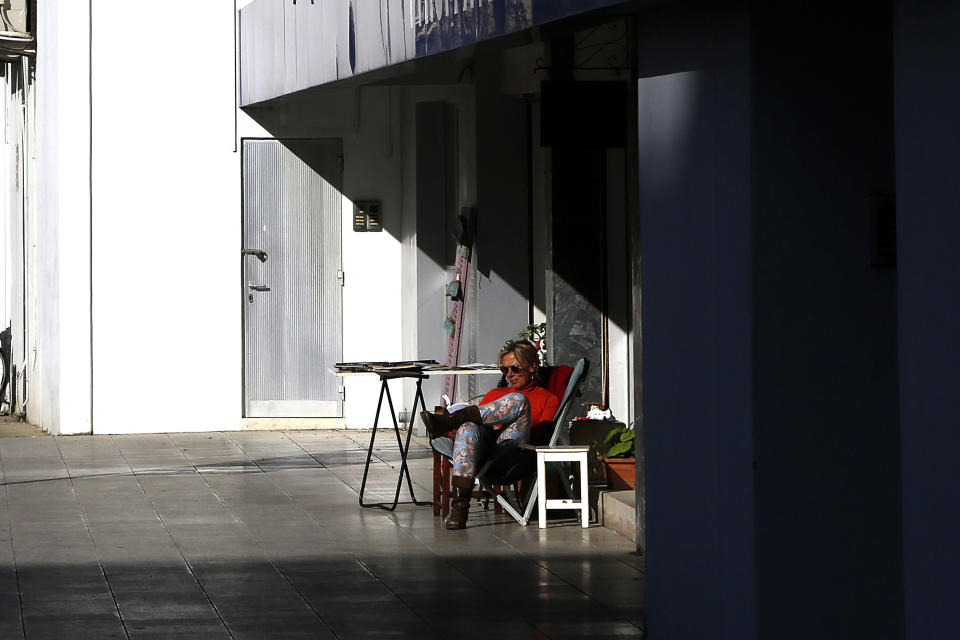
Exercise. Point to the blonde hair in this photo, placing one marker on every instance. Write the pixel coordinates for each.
(525, 353)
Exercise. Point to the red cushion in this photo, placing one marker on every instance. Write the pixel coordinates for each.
(557, 378)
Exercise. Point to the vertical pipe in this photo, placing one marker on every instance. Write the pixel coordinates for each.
(604, 312)
(90, 187)
(23, 239)
(530, 229)
(634, 291)
(236, 73)
(389, 36)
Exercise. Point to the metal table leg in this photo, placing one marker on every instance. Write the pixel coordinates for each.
(403, 446)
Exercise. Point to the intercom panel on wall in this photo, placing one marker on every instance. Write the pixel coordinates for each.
(366, 215)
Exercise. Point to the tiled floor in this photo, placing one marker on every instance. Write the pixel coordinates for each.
(259, 535)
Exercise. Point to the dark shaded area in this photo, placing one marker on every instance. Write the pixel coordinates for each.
(546, 10)
(436, 175)
(694, 217)
(583, 114)
(503, 187)
(827, 433)
(927, 102)
(578, 249)
(578, 120)
(770, 341)
(377, 595)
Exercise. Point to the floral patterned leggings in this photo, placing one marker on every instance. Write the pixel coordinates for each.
(512, 410)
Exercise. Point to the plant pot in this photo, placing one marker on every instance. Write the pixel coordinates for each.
(621, 472)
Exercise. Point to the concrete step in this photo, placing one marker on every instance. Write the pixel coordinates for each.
(618, 511)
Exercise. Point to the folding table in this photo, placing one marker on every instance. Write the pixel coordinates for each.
(386, 371)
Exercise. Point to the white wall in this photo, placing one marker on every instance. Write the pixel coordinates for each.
(13, 219)
(164, 231)
(369, 123)
(372, 301)
(424, 276)
(383, 299)
(181, 247)
(138, 178)
(58, 332)
(166, 221)
(165, 200)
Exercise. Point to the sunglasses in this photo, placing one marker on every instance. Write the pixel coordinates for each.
(514, 368)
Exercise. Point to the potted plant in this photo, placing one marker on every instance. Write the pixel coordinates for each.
(619, 462)
(536, 335)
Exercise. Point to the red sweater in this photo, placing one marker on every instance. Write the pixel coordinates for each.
(543, 407)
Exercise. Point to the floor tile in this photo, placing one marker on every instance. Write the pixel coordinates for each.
(260, 535)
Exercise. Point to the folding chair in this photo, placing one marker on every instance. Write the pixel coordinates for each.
(510, 462)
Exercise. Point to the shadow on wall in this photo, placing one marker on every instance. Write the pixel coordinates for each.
(504, 223)
(334, 114)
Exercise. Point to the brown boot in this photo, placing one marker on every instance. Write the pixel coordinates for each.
(439, 422)
(460, 495)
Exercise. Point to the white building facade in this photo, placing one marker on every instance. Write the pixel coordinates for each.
(122, 254)
(127, 291)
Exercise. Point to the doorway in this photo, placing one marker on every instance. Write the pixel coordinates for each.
(291, 278)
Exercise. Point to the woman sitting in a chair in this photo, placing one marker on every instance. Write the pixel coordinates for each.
(505, 413)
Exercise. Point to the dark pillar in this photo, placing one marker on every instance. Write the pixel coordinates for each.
(694, 207)
(927, 101)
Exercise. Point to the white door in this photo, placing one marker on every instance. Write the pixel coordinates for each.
(292, 300)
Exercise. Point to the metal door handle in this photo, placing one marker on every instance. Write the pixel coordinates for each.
(259, 253)
(257, 287)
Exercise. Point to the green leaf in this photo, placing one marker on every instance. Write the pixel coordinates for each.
(619, 449)
(613, 434)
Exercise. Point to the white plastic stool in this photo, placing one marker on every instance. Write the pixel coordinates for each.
(569, 453)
